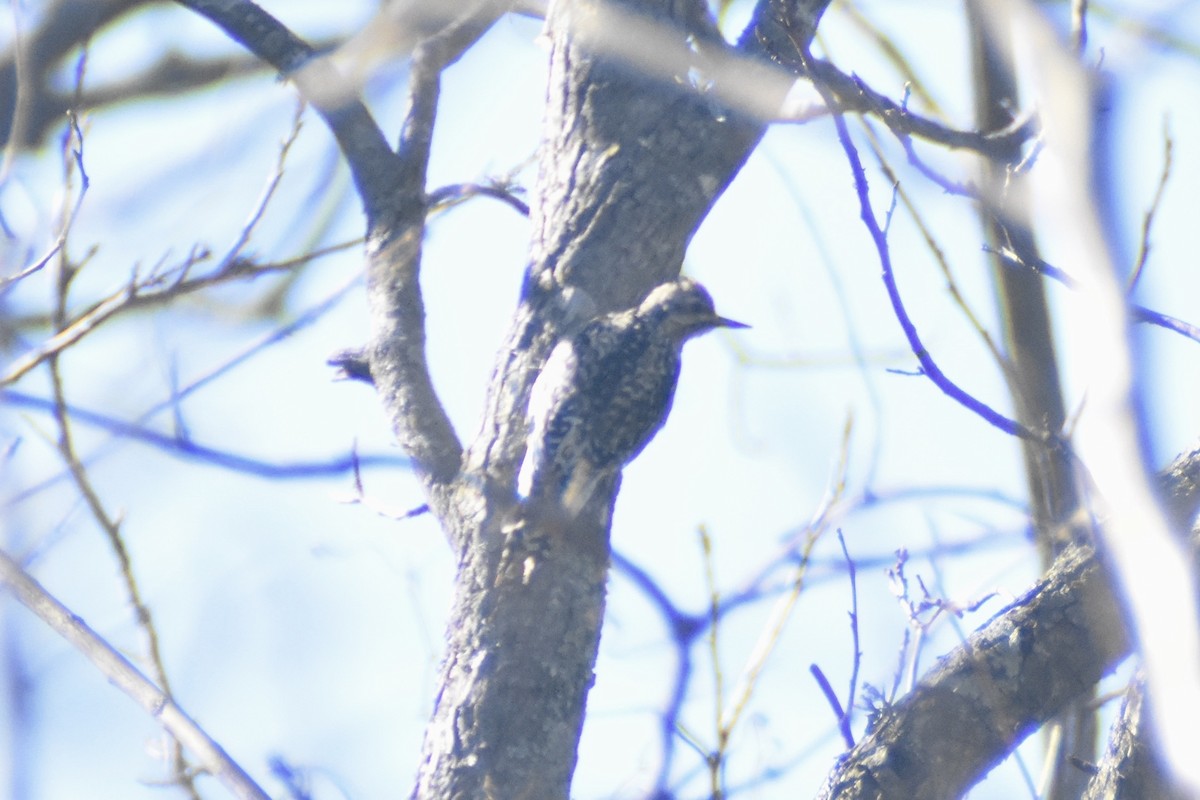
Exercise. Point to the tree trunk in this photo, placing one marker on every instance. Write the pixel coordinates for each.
(632, 158)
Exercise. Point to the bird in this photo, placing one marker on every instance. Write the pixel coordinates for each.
(605, 391)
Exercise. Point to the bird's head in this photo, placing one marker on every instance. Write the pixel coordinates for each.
(683, 308)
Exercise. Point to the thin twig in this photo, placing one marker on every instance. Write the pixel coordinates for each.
(72, 142)
(928, 366)
(939, 255)
(715, 759)
(844, 722)
(268, 192)
(182, 773)
(165, 284)
(1139, 313)
(831, 697)
(844, 93)
(773, 630)
(1139, 263)
(184, 447)
(374, 166)
(460, 192)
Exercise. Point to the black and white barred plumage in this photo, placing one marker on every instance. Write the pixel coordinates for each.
(606, 391)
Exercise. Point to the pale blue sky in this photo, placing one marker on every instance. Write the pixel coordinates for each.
(298, 626)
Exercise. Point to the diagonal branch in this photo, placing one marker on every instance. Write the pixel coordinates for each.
(1033, 371)
(126, 677)
(1047, 648)
(1026, 665)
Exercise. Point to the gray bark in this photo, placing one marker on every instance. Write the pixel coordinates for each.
(630, 163)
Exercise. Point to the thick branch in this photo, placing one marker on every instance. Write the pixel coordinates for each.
(523, 638)
(1026, 665)
(1044, 650)
(635, 151)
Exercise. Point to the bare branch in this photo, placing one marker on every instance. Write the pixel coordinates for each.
(1036, 656)
(1051, 645)
(461, 192)
(397, 349)
(937, 252)
(1139, 261)
(928, 366)
(65, 272)
(187, 448)
(853, 94)
(162, 284)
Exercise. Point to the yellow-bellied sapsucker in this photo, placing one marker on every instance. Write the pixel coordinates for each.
(606, 391)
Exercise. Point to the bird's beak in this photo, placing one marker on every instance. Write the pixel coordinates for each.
(725, 322)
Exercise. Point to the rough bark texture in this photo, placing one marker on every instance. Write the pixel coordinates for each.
(630, 163)
(1130, 769)
(972, 709)
(1031, 661)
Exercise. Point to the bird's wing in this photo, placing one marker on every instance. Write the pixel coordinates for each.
(550, 390)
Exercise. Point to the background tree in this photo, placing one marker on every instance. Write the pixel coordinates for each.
(271, 614)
